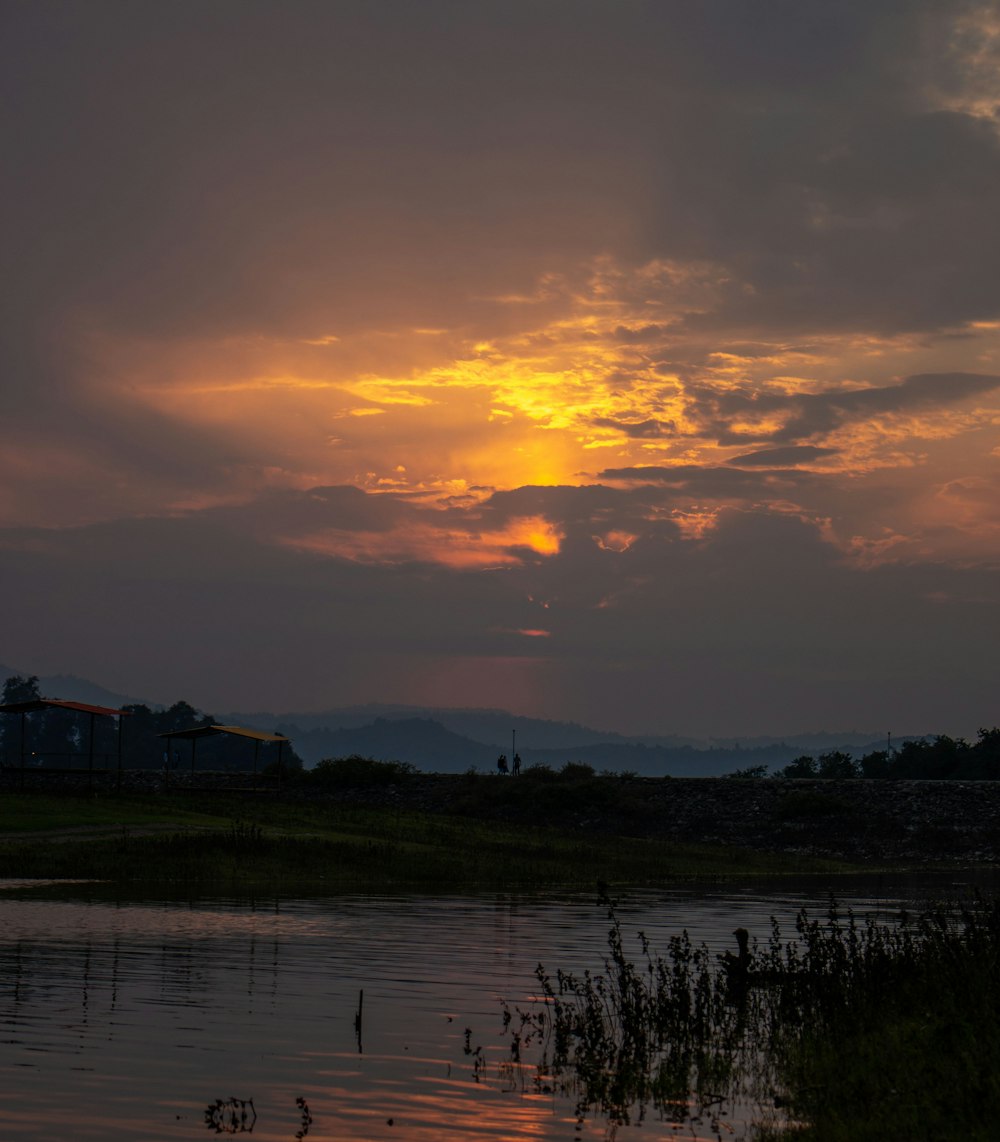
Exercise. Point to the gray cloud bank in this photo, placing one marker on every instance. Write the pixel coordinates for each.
(759, 624)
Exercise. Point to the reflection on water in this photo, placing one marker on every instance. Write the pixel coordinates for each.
(154, 1021)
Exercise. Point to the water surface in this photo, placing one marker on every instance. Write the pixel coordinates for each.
(133, 1019)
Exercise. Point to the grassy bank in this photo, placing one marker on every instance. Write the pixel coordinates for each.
(257, 842)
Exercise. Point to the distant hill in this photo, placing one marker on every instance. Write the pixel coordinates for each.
(450, 740)
(488, 726)
(430, 743)
(418, 741)
(75, 689)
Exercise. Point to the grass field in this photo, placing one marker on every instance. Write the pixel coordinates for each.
(159, 838)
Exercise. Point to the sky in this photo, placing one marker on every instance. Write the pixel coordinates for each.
(633, 363)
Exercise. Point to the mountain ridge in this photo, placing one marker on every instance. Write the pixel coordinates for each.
(453, 739)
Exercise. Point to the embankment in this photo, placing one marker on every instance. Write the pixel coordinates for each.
(857, 820)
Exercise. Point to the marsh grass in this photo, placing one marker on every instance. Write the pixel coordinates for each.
(859, 1030)
(894, 1035)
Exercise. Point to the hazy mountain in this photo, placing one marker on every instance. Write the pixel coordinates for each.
(453, 740)
(74, 689)
(493, 727)
(431, 746)
(418, 741)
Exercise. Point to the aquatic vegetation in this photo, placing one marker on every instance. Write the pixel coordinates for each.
(231, 1116)
(305, 1117)
(858, 1029)
(663, 1031)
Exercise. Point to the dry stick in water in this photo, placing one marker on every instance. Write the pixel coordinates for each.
(357, 1017)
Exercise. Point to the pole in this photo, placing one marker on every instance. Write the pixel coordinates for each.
(90, 756)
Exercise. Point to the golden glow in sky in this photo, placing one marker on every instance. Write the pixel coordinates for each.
(600, 383)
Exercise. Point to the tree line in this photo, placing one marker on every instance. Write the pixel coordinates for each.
(925, 759)
(60, 737)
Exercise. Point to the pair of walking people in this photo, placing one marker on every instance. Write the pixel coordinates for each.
(502, 764)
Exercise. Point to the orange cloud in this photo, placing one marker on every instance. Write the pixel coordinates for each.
(423, 542)
(604, 368)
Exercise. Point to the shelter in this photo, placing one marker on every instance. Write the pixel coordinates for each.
(32, 705)
(194, 733)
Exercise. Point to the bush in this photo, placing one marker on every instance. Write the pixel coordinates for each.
(576, 771)
(803, 766)
(753, 771)
(539, 773)
(356, 772)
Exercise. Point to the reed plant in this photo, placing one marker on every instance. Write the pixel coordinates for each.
(850, 1030)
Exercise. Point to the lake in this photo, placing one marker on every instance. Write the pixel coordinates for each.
(156, 1020)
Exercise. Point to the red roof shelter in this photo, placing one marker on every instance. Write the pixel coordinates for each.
(35, 704)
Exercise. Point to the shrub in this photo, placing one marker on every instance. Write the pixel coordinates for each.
(752, 771)
(356, 772)
(576, 771)
(539, 773)
(803, 766)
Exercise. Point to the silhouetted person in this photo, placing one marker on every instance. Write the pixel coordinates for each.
(517, 764)
(502, 763)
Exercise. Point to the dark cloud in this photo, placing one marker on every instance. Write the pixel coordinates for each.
(641, 335)
(173, 164)
(810, 415)
(762, 610)
(846, 202)
(783, 457)
(692, 480)
(638, 430)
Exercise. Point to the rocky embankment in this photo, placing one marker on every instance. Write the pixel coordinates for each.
(865, 821)
(858, 820)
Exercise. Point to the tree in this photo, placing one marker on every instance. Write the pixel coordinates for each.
(982, 761)
(930, 760)
(17, 688)
(877, 764)
(753, 771)
(20, 688)
(803, 766)
(837, 764)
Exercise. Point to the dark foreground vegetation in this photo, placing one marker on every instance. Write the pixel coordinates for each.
(848, 1032)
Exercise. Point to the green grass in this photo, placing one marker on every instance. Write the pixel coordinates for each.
(36, 812)
(280, 844)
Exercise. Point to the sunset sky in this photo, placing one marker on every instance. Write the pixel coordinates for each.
(636, 363)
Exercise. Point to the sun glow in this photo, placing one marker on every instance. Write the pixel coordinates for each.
(587, 373)
(512, 544)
